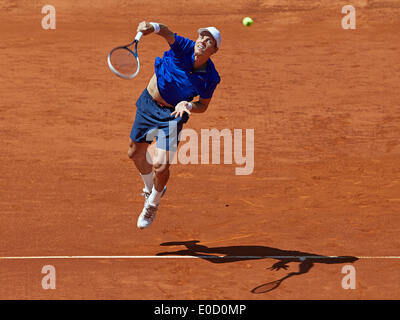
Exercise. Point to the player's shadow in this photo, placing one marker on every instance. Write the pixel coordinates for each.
(231, 254)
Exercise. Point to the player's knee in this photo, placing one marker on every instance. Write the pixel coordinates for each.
(160, 167)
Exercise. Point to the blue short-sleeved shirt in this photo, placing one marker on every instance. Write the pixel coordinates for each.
(175, 77)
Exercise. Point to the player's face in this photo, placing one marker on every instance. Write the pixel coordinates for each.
(205, 44)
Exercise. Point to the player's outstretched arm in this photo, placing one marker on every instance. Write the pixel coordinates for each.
(147, 28)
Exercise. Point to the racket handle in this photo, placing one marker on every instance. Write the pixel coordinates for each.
(138, 36)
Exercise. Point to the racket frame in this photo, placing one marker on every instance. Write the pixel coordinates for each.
(134, 53)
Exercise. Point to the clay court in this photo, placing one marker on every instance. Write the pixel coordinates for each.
(324, 106)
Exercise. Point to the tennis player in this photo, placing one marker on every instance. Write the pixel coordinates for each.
(184, 72)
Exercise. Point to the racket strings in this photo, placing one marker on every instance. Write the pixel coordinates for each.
(124, 61)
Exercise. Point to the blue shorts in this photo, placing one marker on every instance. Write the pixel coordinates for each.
(155, 121)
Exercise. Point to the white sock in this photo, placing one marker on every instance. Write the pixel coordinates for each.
(148, 181)
(155, 197)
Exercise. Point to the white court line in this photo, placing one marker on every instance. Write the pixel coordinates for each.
(195, 257)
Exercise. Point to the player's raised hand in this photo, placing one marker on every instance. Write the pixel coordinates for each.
(145, 28)
(180, 108)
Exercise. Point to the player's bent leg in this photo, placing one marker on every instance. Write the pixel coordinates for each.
(161, 175)
(138, 153)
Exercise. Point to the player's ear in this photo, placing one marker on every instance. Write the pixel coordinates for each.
(215, 49)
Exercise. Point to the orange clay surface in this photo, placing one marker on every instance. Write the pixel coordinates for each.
(324, 104)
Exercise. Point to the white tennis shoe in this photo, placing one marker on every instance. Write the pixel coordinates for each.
(149, 211)
(146, 195)
(147, 216)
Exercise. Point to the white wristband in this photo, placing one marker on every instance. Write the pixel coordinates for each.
(156, 26)
(189, 106)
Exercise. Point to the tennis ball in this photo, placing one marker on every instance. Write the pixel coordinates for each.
(247, 22)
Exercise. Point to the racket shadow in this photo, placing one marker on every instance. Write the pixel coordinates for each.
(230, 254)
(304, 267)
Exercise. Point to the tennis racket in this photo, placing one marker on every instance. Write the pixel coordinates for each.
(123, 61)
(267, 287)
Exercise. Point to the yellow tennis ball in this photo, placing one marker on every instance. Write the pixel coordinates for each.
(247, 22)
